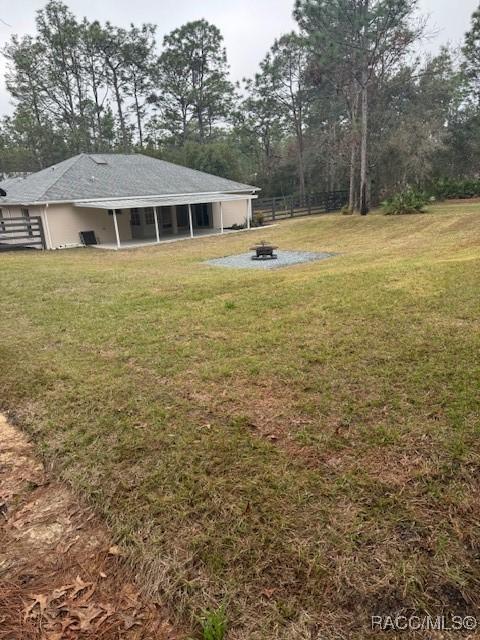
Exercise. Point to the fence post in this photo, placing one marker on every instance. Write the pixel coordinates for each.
(309, 204)
(273, 209)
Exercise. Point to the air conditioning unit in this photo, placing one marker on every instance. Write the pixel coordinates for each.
(88, 237)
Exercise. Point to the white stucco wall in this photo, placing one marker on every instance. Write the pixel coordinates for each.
(234, 212)
(65, 222)
(62, 223)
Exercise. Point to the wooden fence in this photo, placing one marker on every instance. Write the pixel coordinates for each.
(21, 233)
(290, 206)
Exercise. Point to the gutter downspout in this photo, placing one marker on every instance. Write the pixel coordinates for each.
(47, 226)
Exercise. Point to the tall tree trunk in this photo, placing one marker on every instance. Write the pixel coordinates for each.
(333, 159)
(201, 126)
(363, 196)
(38, 152)
(118, 99)
(84, 133)
(364, 205)
(301, 165)
(139, 122)
(184, 110)
(301, 178)
(138, 114)
(98, 112)
(353, 167)
(353, 101)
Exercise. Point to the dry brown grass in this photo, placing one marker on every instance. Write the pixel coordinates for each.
(300, 445)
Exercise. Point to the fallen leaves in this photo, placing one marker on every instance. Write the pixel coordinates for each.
(72, 608)
(129, 621)
(79, 586)
(74, 611)
(31, 610)
(62, 580)
(115, 550)
(87, 614)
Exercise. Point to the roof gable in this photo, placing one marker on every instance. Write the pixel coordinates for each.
(87, 176)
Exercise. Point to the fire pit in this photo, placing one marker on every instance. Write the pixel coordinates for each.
(264, 251)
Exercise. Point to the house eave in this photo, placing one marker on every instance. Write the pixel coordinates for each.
(35, 203)
(164, 201)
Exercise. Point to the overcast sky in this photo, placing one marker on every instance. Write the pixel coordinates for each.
(248, 26)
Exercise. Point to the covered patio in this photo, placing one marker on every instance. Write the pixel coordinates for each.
(155, 220)
(138, 244)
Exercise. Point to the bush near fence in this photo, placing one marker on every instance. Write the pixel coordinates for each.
(447, 188)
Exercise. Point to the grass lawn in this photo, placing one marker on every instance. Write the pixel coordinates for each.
(301, 445)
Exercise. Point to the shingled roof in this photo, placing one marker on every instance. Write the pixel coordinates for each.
(113, 175)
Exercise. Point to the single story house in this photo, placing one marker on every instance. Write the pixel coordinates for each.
(117, 200)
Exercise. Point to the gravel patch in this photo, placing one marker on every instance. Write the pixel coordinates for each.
(284, 259)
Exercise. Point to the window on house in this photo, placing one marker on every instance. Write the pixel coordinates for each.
(166, 216)
(135, 218)
(26, 214)
(182, 216)
(202, 218)
(2, 224)
(149, 217)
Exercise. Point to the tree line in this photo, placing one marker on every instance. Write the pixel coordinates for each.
(341, 103)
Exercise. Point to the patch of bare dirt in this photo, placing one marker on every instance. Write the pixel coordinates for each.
(60, 575)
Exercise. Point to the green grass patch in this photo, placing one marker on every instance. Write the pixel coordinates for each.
(298, 446)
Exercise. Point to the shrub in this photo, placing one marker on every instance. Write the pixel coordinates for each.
(407, 201)
(449, 188)
(259, 219)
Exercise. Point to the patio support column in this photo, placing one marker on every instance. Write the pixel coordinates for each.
(249, 213)
(173, 214)
(190, 220)
(221, 217)
(115, 223)
(155, 215)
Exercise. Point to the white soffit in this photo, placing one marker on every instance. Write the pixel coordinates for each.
(137, 203)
